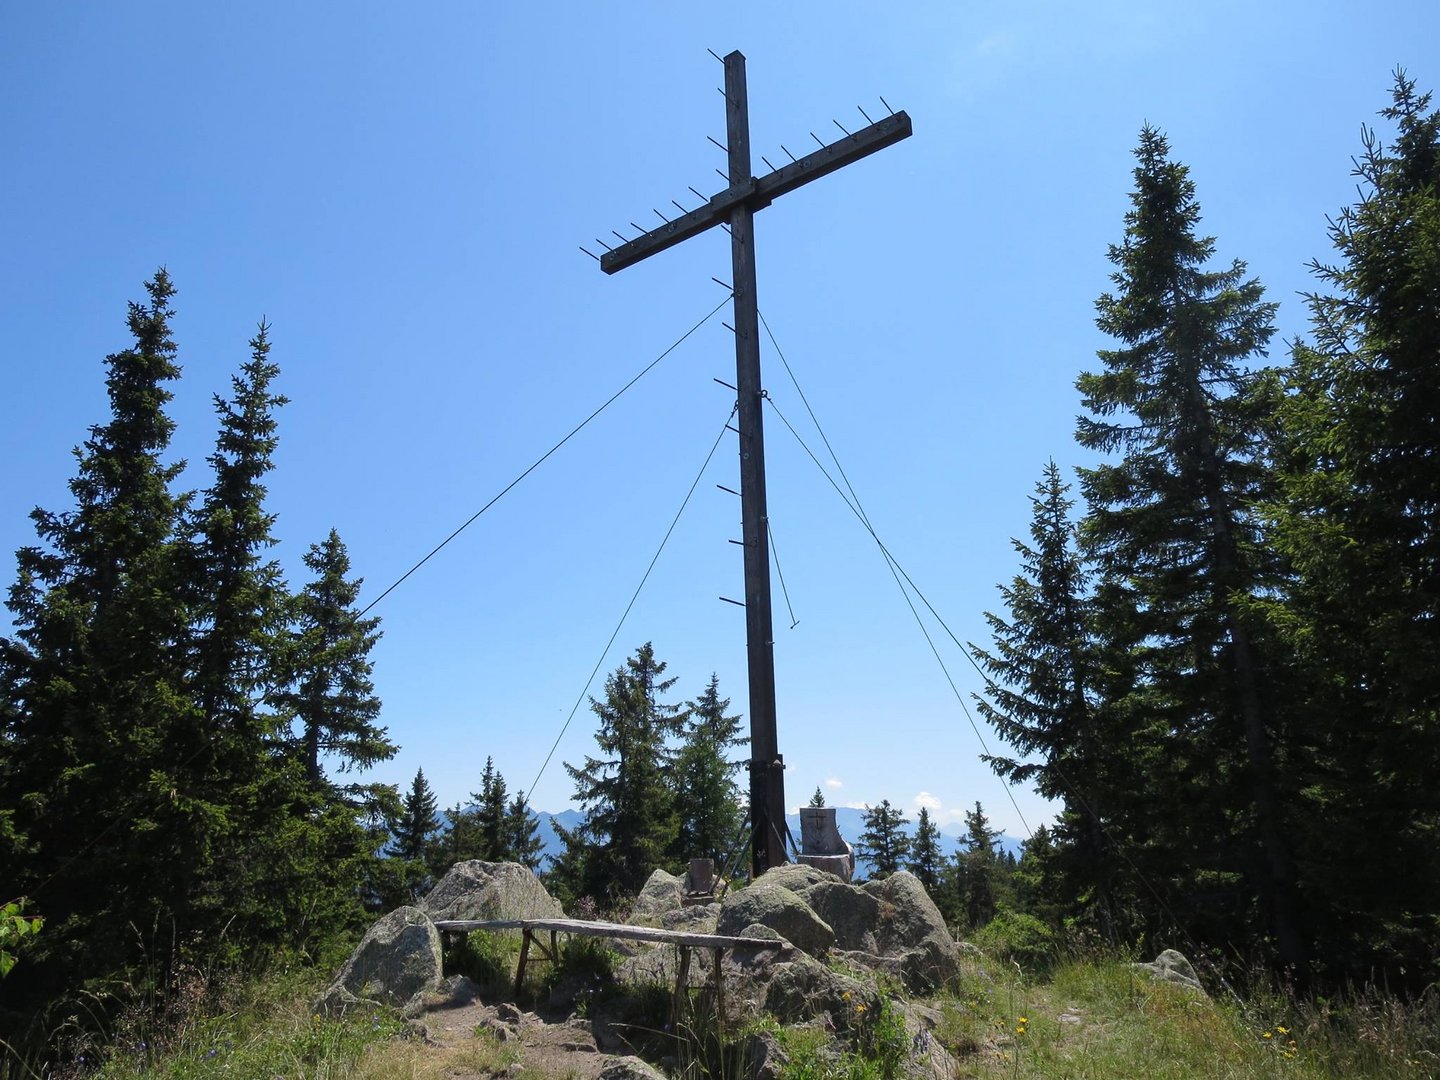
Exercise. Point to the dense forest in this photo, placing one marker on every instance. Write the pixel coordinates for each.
(1220, 656)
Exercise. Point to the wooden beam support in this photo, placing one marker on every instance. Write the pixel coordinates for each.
(758, 194)
(836, 155)
(736, 206)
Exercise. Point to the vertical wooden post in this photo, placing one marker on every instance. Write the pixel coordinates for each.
(720, 988)
(767, 780)
(736, 207)
(682, 987)
(524, 956)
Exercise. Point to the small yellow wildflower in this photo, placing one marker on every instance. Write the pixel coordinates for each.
(1267, 1035)
(1282, 1029)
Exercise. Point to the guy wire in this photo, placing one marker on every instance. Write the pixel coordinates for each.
(635, 596)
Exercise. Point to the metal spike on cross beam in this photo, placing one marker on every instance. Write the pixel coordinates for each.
(735, 208)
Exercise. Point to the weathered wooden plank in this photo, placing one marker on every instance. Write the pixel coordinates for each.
(826, 159)
(758, 194)
(615, 930)
(714, 212)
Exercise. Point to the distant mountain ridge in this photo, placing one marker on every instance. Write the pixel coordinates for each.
(848, 819)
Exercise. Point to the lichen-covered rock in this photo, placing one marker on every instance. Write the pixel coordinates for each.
(662, 893)
(699, 919)
(765, 1056)
(396, 963)
(629, 1068)
(890, 924)
(796, 877)
(486, 890)
(754, 967)
(452, 992)
(850, 910)
(1173, 967)
(806, 988)
(777, 907)
(910, 928)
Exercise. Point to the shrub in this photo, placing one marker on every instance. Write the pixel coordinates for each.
(1014, 935)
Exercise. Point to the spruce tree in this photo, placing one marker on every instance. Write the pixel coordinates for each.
(330, 696)
(925, 860)
(241, 595)
(1357, 517)
(817, 801)
(491, 821)
(978, 869)
(630, 820)
(417, 822)
(1037, 884)
(522, 833)
(707, 797)
(459, 842)
(240, 602)
(1173, 533)
(402, 873)
(1047, 684)
(104, 767)
(884, 843)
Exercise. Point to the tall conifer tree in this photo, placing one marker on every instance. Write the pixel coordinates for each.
(707, 796)
(884, 843)
(1358, 518)
(522, 833)
(1047, 683)
(491, 815)
(1173, 532)
(630, 819)
(925, 860)
(104, 757)
(240, 603)
(418, 821)
(330, 696)
(978, 869)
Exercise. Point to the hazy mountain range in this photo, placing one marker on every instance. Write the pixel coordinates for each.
(849, 820)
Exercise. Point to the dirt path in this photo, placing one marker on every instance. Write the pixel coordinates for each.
(502, 1040)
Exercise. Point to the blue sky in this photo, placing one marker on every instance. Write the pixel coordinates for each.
(401, 190)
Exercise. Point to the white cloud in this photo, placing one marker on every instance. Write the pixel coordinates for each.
(928, 801)
(833, 784)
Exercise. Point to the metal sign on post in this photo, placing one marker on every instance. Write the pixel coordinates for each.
(736, 207)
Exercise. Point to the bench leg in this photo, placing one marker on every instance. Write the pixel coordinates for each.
(682, 984)
(719, 990)
(520, 969)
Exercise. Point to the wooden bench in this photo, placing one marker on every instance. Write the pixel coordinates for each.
(682, 939)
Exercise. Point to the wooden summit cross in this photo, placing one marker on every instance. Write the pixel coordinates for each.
(736, 206)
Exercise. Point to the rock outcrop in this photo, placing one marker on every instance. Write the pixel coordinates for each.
(486, 890)
(662, 893)
(890, 924)
(396, 963)
(1173, 967)
(771, 904)
(629, 1068)
(806, 988)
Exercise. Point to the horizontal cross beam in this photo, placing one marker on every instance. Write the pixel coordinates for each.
(758, 194)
